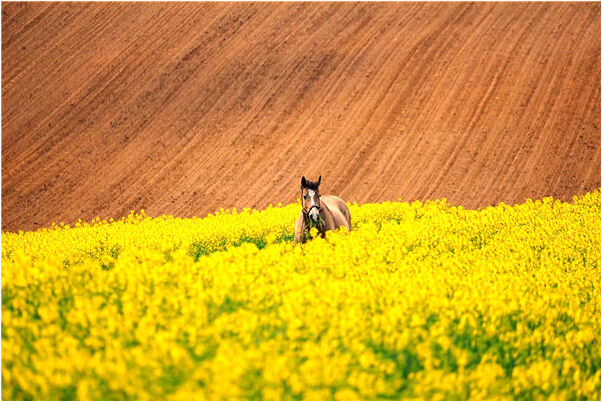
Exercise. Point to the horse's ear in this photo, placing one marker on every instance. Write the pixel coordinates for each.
(319, 180)
(303, 182)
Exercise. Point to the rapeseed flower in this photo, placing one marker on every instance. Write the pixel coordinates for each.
(418, 301)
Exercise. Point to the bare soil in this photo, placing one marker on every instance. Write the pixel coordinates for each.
(183, 108)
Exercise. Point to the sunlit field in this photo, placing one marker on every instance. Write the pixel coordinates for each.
(419, 301)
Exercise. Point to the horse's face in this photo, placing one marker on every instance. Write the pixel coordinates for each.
(310, 194)
(311, 203)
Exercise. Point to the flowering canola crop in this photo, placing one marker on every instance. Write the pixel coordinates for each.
(419, 301)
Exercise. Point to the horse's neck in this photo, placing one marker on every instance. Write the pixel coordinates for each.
(327, 216)
(327, 220)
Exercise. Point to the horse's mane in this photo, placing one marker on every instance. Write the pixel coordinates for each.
(311, 185)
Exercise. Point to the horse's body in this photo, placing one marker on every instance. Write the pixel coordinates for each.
(333, 212)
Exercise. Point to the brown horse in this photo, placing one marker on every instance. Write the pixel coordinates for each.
(327, 212)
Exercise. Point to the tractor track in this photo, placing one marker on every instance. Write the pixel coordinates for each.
(184, 108)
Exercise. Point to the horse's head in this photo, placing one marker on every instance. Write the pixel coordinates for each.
(310, 198)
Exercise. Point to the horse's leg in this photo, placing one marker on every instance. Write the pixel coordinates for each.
(300, 229)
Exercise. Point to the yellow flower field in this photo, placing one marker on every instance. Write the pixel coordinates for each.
(420, 301)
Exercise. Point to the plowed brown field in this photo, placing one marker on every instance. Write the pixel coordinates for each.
(184, 108)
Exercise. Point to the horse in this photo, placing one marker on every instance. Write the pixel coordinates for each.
(327, 212)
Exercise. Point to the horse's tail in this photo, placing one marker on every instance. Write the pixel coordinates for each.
(347, 215)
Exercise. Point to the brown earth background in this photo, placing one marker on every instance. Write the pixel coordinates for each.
(183, 108)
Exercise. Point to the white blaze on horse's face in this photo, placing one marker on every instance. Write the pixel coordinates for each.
(313, 199)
